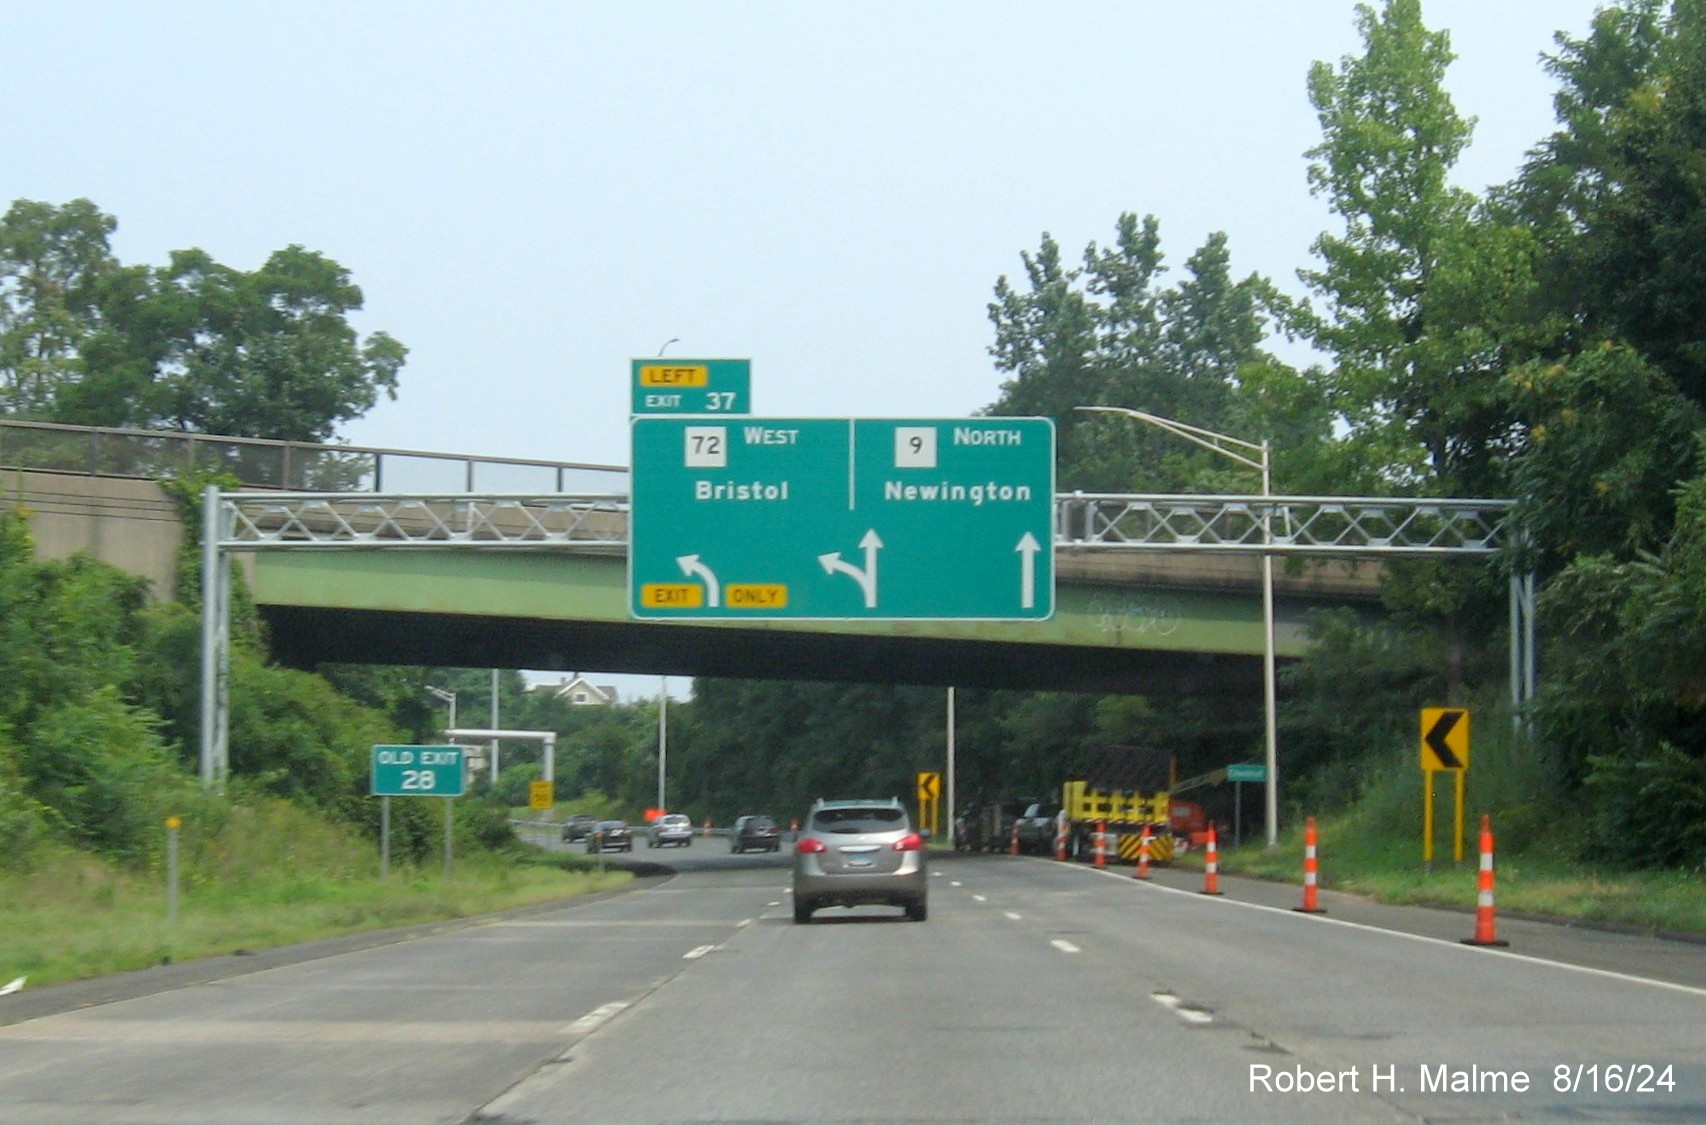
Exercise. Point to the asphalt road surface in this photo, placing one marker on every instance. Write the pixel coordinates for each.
(1036, 992)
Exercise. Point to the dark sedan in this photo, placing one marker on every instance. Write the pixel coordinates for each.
(610, 836)
(755, 833)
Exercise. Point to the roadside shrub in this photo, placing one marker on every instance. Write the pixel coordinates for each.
(483, 824)
(1648, 805)
(101, 765)
(24, 821)
(514, 788)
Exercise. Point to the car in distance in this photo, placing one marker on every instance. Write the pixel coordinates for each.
(755, 833)
(859, 853)
(1035, 828)
(671, 830)
(577, 827)
(610, 836)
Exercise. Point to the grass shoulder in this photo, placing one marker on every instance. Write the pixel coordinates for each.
(1390, 870)
(73, 917)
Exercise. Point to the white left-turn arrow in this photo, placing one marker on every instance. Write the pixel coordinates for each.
(1028, 548)
(693, 568)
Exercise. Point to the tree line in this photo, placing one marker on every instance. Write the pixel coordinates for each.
(1542, 339)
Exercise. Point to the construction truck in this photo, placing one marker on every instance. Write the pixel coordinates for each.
(1123, 789)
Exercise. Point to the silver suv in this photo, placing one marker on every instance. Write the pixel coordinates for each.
(859, 853)
(670, 830)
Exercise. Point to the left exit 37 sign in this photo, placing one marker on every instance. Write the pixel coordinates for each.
(825, 518)
(691, 386)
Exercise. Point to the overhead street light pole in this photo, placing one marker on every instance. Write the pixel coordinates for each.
(448, 697)
(1254, 456)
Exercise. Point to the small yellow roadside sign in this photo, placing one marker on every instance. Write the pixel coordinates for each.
(540, 796)
(1445, 738)
(1445, 749)
(930, 801)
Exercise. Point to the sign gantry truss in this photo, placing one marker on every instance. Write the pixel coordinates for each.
(299, 521)
(1316, 526)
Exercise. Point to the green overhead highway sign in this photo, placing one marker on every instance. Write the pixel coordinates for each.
(417, 771)
(691, 386)
(764, 518)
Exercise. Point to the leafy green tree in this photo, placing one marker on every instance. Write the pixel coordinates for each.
(53, 263)
(1609, 437)
(1618, 193)
(1110, 333)
(1420, 298)
(194, 346)
(1615, 197)
(266, 354)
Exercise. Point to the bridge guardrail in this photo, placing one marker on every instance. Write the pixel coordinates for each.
(341, 494)
(288, 465)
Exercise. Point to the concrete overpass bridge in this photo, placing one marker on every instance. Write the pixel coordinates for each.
(1154, 594)
(400, 556)
(351, 559)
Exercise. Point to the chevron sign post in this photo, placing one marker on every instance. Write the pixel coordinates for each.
(1445, 747)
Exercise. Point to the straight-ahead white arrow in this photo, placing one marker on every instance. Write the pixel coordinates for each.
(693, 568)
(1028, 548)
(867, 578)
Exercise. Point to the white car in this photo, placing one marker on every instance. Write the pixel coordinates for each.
(670, 829)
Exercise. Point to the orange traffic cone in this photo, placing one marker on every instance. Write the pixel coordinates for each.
(1311, 904)
(1060, 840)
(1013, 840)
(1211, 864)
(1143, 854)
(1101, 843)
(1486, 931)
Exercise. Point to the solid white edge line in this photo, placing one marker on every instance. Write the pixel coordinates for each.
(1317, 919)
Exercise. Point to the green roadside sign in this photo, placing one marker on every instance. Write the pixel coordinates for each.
(1247, 771)
(691, 386)
(835, 519)
(418, 771)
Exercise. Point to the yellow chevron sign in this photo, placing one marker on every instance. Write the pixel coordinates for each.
(1445, 738)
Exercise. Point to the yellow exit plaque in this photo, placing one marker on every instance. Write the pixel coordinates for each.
(672, 595)
(752, 595)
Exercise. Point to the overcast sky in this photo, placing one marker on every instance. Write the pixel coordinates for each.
(531, 194)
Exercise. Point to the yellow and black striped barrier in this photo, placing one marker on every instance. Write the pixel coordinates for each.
(1131, 840)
